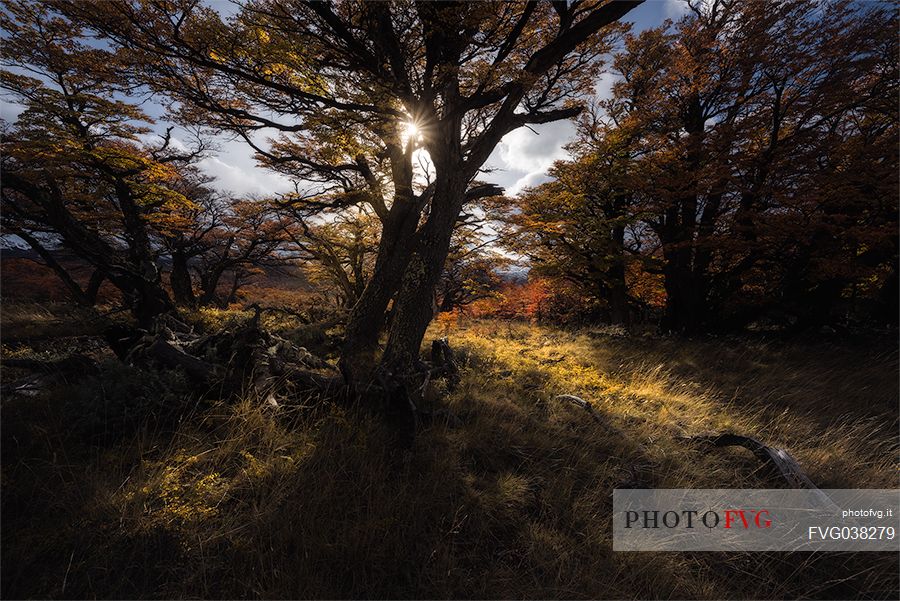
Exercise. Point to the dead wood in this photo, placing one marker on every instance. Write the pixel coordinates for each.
(305, 379)
(580, 402)
(248, 360)
(778, 459)
(592, 411)
(444, 362)
(122, 339)
(49, 373)
(170, 356)
(236, 361)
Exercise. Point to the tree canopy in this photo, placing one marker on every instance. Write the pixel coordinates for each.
(747, 154)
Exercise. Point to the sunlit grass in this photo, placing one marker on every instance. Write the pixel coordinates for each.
(657, 406)
(512, 501)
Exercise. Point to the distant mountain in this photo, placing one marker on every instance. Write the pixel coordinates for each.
(10, 242)
(514, 274)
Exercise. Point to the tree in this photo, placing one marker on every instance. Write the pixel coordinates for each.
(346, 83)
(75, 171)
(472, 270)
(240, 238)
(737, 118)
(339, 253)
(747, 154)
(580, 228)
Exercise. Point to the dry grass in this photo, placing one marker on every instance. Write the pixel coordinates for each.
(43, 321)
(244, 501)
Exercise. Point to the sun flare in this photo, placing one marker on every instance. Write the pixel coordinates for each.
(410, 132)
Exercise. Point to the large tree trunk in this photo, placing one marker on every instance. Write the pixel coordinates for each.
(367, 318)
(414, 307)
(209, 285)
(150, 299)
(236, 283)
(180, 279)
(684, 271)
(618, 291)
(686, 303)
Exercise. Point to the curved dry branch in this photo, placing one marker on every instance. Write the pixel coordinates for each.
(779, 459)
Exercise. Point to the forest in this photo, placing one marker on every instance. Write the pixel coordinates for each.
(505, 258)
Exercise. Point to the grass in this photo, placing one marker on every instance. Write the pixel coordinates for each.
(230, 501)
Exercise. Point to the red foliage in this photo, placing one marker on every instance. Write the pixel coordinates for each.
(27, 280)
(539, 299)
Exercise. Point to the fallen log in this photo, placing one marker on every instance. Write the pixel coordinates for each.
(170, 356)
(234, 362)
(247, 359)
(311, 380)
(590, 410)
(122, 339)
(779, 459)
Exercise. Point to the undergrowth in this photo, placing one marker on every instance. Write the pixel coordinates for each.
(511, 498)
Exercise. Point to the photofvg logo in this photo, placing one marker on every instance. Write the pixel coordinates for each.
(756, 520)
(690, 518)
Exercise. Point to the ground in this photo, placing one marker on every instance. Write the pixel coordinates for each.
(124, 485)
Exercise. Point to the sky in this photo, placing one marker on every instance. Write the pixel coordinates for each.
(520, 160)
(523, 156)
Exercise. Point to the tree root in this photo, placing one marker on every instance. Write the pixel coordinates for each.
(401, 397)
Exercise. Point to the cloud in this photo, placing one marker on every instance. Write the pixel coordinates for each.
(523, 156)
(603, 88)
(652, 14)
(674, 9)
(10, 111)
(244, 181)
(233, 168)
(535, 178)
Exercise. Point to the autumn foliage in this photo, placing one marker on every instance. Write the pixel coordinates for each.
(391, 378)
(744, 166)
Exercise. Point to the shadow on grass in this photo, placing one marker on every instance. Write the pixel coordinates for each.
(246, 502)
